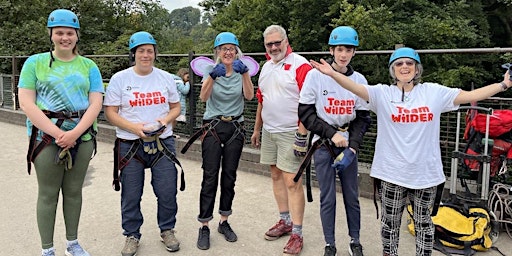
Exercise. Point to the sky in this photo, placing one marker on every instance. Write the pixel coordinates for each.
(177, 4)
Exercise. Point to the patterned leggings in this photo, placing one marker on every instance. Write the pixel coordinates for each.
(394, 201)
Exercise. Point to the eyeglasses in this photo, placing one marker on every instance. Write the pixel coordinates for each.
(408, 63)
(224, 49)
(276, 43)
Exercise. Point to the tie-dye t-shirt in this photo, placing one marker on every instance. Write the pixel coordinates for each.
(65, 86)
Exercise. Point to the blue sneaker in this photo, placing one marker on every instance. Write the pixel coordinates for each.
(48, 252)
(74, 249)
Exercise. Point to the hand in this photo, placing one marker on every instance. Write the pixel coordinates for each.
(339, 140)
(240, 67)
(218, 70)
(300, 147)
(255, 139)
(344, 159)
(322, 66)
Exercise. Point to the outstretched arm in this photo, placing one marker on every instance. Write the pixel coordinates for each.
(484, 92)
(341, 79)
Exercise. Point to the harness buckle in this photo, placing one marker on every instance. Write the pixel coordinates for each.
(67, 114)
(342, 128)
(226, 118)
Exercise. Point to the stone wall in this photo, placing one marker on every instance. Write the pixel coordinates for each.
(249, 161)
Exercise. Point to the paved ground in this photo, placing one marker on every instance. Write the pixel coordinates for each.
(254, 211)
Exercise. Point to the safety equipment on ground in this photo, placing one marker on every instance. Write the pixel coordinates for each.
(300, 147)
(225, 38)
(343, 160)
(218, 70)
(140, 38)
(240, 67)
(344, 35)
(404, 52)
(466, 228)
(63, 18)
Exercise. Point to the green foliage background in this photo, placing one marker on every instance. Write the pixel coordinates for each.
(106, 26)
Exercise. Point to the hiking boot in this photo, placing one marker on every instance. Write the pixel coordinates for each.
(278, 230)
(203, 241)
(169, 239)
(74, 249)
(294, 245)
(48, 252)
(355, 249)
(225, 229)
(330, 250)
(130, 246)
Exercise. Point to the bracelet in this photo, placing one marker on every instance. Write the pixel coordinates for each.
(504, 86)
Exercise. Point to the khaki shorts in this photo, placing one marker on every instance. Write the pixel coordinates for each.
(277, 149)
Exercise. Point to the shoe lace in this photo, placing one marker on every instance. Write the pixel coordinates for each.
(357, 249)
(76, 249)
(225, 225)
(205, 231)
(278, 224)
(131, 241)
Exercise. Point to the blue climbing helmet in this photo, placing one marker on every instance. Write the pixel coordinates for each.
(225, 38)
(344, 35)
(404, 52)
(63, 18)
(140, 38)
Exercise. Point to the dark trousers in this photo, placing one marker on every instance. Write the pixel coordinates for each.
(217, 152)
(326, 176)
(164, 176)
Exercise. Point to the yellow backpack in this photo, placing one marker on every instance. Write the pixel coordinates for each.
(460, 228)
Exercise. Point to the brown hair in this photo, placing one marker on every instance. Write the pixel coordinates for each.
(182, 72)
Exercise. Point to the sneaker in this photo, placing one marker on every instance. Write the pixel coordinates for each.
(48, 252)
(169, 239)
(294, 245)
(203, 241)
(355, 249)
(130, 246)
(278, 230)
(74, 249)
(330, 250)
(229, 234)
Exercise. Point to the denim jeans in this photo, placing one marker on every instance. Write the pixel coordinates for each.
(326, 176)
(164, 181)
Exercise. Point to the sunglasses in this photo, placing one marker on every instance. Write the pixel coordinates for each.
(408, 63)
(276, 43)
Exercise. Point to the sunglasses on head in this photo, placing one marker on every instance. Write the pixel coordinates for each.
(276, 43)
(408, 63)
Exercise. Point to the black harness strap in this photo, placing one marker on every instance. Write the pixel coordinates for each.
(33, 150)
(210, 127)
(121, 162)
(306, 164)
(437, 200)
(171, 156)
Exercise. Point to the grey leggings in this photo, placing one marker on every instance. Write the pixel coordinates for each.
(51, 179)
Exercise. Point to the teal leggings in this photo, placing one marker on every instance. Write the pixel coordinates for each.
(51, 179)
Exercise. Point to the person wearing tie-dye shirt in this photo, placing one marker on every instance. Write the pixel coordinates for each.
(61, 94)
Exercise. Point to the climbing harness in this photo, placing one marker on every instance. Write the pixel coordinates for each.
(65, 157)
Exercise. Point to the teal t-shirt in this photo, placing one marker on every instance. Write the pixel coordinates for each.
(227, 97)
(65, 86)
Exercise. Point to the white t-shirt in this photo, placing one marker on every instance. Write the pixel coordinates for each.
(279, 85)
(141, 99)
(407, 150)
(334, 104)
